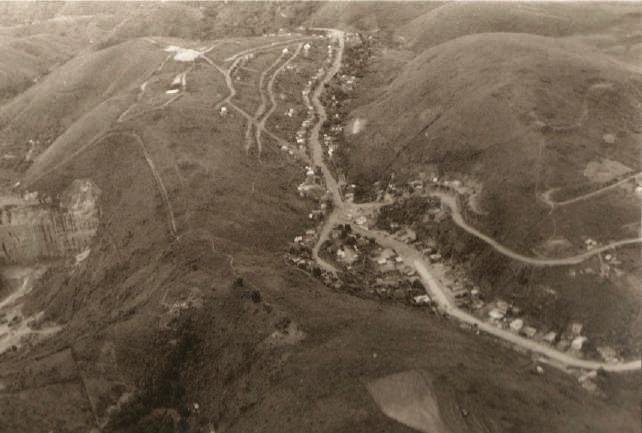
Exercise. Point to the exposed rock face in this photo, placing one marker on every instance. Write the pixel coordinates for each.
(32, 230)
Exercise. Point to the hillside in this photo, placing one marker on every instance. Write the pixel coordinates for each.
(27, 59)
(369, 16)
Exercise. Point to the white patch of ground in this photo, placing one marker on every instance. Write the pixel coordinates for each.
(21, 331)
(183, 54)
(407, 397)
(82, 256)
(358, 125)
(288, 336)
(604, 170)
(609, 138)
(15, 329)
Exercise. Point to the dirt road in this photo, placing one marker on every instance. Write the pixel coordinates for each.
(546, 197)
(232, 93)
(451, 202)
(272, 99)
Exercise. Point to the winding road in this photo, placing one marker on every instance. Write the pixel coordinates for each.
(272, 99)
(451, 202)
(316, 150)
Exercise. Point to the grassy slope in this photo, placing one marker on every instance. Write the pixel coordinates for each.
(50, 111)
(369, 16)
(457, 19)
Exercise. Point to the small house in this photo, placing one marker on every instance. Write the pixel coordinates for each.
(516, 325)
(421, 300)
(529, 331)
(578, 342)
(550, 337)
(495, 314)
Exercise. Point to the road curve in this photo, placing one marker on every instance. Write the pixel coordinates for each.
(451, 202)
(546, 197)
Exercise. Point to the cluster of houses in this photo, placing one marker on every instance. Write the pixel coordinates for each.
(506, 315)
(300, 255)
(381, 271)
(313, 187)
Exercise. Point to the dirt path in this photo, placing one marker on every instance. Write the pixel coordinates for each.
(142, 88)
(451, 202)
(583, 113)
(159, 182)
(228, 101)
(270, 93)
(546, 197)
(260, 110)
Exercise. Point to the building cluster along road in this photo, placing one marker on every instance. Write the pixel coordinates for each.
(414, 258)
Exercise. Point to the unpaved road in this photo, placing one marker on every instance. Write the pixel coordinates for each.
(546, 197)
(316, 151)
(270, 93)
(269, 46)
(451, 202)
(260, 110)
(232, 93)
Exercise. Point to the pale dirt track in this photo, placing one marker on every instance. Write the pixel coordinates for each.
(546, 197)
(451, 202)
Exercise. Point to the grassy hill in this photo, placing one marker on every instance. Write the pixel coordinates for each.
(456, 19)
(26, 59)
